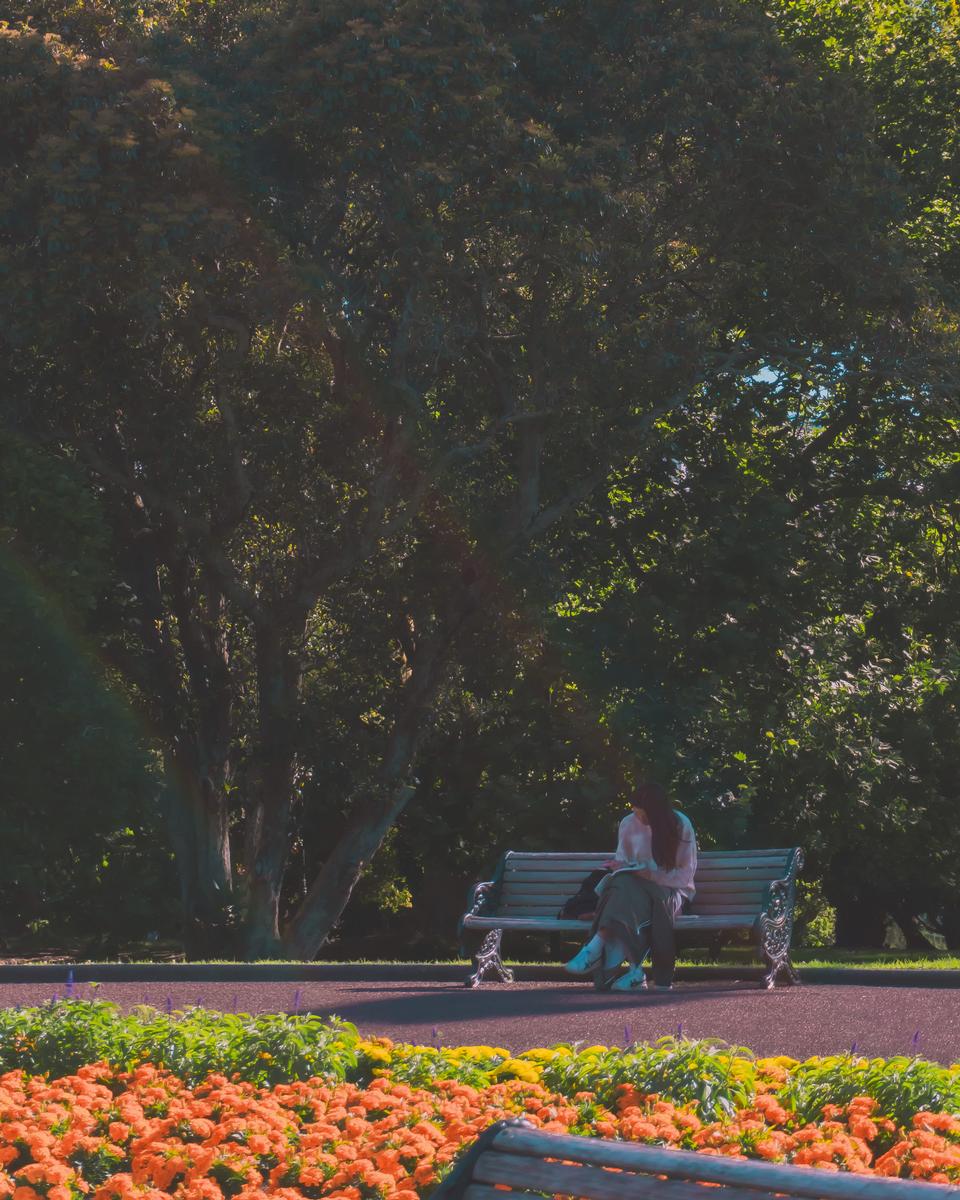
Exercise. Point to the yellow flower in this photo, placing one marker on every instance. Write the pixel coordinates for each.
(518, 1069)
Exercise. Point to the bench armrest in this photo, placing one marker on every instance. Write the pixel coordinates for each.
(477, 903)
(781, 893)
(480, 895)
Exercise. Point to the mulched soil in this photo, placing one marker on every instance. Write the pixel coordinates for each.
(799, 1021)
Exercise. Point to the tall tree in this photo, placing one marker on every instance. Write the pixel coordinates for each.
(347, 315)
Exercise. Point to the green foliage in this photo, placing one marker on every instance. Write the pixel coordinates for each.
(78, 822)
(908, 54)
(420, 1066)
(486, 403)
(816, 920)
(718, 1077)
(902, 1086)
(57, 1038)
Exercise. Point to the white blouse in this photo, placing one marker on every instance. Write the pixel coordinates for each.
(635, 848)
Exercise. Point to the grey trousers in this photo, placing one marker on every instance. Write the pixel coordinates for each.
(640, 913)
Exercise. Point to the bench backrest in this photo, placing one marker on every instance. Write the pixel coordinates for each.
(728, 883)
(515, 1155)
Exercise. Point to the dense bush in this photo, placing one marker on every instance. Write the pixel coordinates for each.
(60, 1038)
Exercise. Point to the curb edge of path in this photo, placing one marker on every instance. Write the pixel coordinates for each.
(58, 973)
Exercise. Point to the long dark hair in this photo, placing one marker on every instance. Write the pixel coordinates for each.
(663, 821)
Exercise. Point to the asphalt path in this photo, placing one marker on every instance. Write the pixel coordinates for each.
(799, 1021)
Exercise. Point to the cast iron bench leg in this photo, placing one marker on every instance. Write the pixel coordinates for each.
(776, 930)
(487, 960)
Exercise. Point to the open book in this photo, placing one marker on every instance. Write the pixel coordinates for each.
(645, 865)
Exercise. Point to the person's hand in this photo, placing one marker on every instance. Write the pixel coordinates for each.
(611, 864)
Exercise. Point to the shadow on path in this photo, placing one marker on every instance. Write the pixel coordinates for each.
(421, 1004)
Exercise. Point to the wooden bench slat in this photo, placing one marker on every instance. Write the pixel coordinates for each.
(712, 887)
(554, 874)
(745, 920)
(758, 869)
(570, 887)
(591, 1183)
(807, 1182)
(703, 875)
(542, 916)
(761, 875)
(704, 888)
(540, 855)
(559, 879)
(530, 858)
(742, 898)
(737, 901)
(785, 851)
(526, 886)
(480, 1191)
(527, 924)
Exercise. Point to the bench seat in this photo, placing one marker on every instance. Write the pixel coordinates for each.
(735, 889)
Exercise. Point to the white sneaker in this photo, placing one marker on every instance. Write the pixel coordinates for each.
(630, 981)
(584, 961)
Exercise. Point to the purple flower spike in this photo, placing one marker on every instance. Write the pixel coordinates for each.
(627, 1039)
(68, 992)
(853, 1048)
(436, 1037)
(680, 1030)
(236, 1001)
(168, 1004)
(296, 1001)
(56, 998)
(199, 1002)
(916, 1039)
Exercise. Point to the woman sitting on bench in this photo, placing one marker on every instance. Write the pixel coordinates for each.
(651, 876)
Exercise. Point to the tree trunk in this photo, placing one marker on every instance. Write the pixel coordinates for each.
(268, 841)
(950, 925)
(271, 846)
(906, 920)
(333, 886)
(373, 818)
(190, 676)
(195, 809)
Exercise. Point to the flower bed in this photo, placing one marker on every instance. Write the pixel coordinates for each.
(120, 1135)
(303, 1108)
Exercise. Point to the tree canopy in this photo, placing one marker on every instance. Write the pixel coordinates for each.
(483, 402)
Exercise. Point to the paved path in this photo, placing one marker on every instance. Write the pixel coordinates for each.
(810, 1019)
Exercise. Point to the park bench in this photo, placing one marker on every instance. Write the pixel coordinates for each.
(517, 1156)
(735, 889)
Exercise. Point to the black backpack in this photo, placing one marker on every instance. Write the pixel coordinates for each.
(586, 899)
